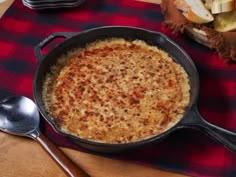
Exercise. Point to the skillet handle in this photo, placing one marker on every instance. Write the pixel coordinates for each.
(38, 49)
(221, 135)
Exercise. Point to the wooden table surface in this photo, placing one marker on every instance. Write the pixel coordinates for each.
(23, 157)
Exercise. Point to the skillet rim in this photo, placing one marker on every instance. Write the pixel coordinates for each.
(147, 140)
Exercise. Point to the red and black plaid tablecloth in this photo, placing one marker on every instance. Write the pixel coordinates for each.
(185, 151)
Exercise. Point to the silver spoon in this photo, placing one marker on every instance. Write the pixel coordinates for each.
(19, 116)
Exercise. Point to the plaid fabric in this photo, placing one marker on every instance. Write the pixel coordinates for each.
(184, 151)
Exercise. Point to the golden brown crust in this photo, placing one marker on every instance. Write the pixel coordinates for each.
(116, 91)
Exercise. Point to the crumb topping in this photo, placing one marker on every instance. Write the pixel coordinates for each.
(116, 91)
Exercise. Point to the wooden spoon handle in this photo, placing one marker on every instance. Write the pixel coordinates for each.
(66, 164)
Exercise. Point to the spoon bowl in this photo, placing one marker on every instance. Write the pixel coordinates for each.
(19, 116)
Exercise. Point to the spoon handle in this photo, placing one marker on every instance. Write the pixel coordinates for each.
(66, 164)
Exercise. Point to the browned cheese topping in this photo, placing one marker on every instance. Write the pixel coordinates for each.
(116, 91)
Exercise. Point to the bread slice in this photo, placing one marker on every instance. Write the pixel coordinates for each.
(208, 4)
(225, 21)
(198, 35)
(194, 10)
(220, 6)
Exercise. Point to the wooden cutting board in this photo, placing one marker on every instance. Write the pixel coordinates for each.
(4, 4)
(23, 157)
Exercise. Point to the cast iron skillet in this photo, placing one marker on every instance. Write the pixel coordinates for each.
(191, 118)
